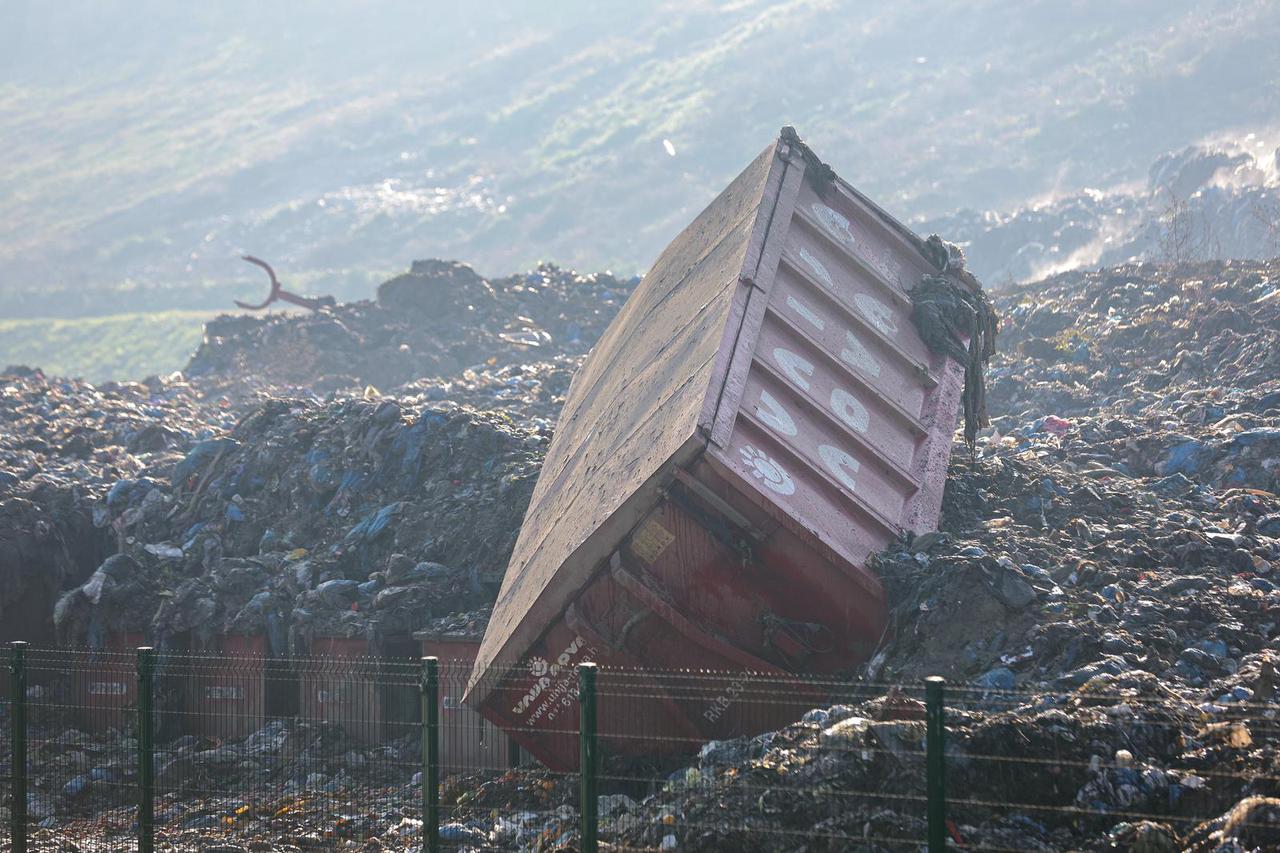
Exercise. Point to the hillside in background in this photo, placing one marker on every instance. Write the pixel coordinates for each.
(148, 146)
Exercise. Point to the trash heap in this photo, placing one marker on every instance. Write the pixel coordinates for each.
(437, 320)
(67, 431)
(531, 394)
(141, 468)
(353, 518)
(1101, 595)
(65, 445)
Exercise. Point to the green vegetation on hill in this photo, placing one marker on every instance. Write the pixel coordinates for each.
(118, 346)
(147, 147)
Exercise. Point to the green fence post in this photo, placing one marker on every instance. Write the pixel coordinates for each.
(936, 784)
(18, 721)
(588, 759)
(430, 684)
(146, 750)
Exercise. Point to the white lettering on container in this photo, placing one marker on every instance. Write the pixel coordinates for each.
(772, 413)
(880, 315)
(106, 688)
(806, 312)
(856, 355)
(841, 465)
(794, 366)
(849, 410)
(835, 223)
(538, 665)
(816, 267)
(768, 471)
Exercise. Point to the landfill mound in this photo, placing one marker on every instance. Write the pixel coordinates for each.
(437, 320)
(1114, 532)
(63, 445)
(352, 518)
(210, 486)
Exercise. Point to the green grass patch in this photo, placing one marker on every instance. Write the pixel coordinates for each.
(118, 346)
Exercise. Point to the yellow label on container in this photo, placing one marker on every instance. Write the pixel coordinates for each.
(651, 540)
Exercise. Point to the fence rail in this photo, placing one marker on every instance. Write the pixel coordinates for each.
(154, 750)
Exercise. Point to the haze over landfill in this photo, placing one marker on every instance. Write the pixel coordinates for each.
(148, 149)
(771, 477)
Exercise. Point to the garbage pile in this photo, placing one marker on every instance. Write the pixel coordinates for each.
(353, 518)
(531, 394)
(214, 484)
(67, 431)
(1102, 594)
(437, 320)
(64, 444)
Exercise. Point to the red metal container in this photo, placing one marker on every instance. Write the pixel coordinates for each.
(467, 740)
(227, 687)
(760, 417)
(339, 685)
(373, 695)
(105, 682)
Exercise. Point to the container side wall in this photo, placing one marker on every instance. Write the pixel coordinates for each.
(634, 406)
(845, 416)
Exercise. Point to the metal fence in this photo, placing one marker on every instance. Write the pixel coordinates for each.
(112, 750)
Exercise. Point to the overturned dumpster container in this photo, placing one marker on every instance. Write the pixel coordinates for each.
(760, 417)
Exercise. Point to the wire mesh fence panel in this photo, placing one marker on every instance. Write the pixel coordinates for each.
(506, 800)
(82, 747)
(339, 769)
(839, 774)
(1131, 764)
(7, 723)
(330, 752)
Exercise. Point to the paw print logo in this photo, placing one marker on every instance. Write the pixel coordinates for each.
(538, 667)
(768, 471)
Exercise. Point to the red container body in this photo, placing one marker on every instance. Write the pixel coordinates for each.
(373, 695)
(227, 687)
(467, 740)
(759, 419)
(338, 685)
(106, 686)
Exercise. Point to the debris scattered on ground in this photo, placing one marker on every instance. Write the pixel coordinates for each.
(292, 785)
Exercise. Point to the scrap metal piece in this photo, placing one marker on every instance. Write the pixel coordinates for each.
(278, 293)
